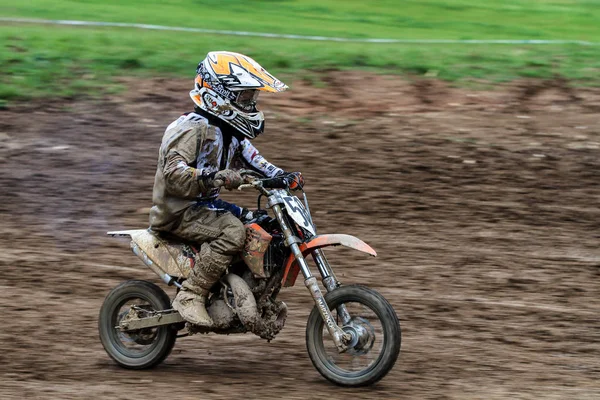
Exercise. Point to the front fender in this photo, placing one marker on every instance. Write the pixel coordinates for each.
(291, 266)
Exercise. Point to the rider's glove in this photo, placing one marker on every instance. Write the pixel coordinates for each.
(228, 178)
(278, 182)
(295, 180)
(292, 180)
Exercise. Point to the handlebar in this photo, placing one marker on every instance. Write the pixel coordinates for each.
(255, 184)
(259, 184)
(245, 173)
(256, 180)
(252, 185)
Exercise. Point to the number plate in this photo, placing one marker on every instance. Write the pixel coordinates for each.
(296, 210)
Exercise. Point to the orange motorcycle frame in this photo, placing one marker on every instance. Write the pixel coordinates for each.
(292, 268)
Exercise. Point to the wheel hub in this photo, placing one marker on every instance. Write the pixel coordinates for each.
(354, 336)
(140, 336)
(363, 336)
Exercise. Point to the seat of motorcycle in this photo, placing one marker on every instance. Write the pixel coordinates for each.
(168, 252)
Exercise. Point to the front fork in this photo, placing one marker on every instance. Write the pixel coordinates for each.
(330, 281)
(340, 338)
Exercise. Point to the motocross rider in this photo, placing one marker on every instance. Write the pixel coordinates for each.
(200, 152)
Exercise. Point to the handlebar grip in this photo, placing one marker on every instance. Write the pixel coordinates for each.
(275, 183)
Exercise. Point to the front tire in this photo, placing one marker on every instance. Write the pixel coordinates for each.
(144, 348)
(379, 331)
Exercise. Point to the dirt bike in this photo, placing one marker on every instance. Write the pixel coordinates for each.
(353, 335)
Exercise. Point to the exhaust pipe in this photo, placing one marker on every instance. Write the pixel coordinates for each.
(246, 309)
(244, 302)
(244, 306)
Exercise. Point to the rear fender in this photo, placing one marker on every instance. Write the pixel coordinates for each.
(161, 256)
(292, 268)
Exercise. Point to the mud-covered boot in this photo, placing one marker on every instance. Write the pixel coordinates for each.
(190, 302)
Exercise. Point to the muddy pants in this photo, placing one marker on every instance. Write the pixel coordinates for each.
(222, 236)
(223, 231)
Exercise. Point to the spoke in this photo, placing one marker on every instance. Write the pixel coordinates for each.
(137, 341)
(356, 363)
(369, 327)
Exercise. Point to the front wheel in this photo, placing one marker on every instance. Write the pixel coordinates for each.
(142, 348)
(376, 337)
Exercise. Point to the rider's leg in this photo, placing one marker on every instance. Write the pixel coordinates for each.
(222, 236)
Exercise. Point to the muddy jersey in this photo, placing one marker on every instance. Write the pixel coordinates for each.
(191, 149)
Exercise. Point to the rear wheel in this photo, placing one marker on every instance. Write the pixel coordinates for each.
(142, 348)
(375, 331)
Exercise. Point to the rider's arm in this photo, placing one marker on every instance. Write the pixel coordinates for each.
(181, 178)
(258, 162)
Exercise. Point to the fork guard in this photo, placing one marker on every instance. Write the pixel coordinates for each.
(292, 268)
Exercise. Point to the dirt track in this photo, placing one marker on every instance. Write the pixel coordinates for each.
(483, 207)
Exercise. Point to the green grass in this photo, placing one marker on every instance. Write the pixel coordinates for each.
(42, 60)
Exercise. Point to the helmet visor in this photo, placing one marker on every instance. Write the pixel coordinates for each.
(246, 99)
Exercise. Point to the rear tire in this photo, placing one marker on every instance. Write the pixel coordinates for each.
(388, 338)
(158, 341)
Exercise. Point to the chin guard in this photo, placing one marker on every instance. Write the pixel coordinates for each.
(255, 247)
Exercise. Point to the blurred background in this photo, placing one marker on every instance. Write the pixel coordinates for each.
(460, 139)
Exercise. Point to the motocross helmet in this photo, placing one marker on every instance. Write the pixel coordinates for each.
(227, 85)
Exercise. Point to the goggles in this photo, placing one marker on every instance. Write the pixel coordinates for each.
(246, 99)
